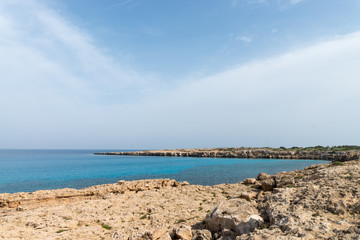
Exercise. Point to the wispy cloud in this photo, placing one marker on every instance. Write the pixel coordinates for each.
(244, 39)
(295, 1)
(50, 51)
(129, 4)
(234, 3)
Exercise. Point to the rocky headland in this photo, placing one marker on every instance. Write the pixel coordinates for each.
(318, 202)
(341, 153)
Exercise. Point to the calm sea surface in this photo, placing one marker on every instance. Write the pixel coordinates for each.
(31, 170)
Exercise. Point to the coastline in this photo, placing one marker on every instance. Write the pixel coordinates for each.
(256, 153)
(309, 204)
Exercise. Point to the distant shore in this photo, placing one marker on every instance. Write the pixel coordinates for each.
(341, 153)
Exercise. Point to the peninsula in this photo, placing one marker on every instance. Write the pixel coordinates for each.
(336, 153)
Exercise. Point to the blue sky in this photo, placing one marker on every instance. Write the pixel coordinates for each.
(173, 74)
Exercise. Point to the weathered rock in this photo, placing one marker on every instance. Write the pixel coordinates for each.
(99, 191)
(249, 181)
(356, 207)
(263, 176)
(248, 195)
(268, 184)
(160, 234)
(238, 215)
(183, 233)
(201, 234)
(283, 180)
(227, 234)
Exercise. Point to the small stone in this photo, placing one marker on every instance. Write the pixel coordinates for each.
(249, 181)
(20, 209)
(263, 176)
(183, 233)
(268, 184)
(248, 195)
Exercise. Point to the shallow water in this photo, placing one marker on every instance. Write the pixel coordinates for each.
(31, 170)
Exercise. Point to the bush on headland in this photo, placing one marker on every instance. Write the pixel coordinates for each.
(319, 148)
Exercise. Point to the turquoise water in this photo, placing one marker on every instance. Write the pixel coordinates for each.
(31, 170)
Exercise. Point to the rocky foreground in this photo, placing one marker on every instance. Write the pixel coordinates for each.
(319, 202)
(321, 153)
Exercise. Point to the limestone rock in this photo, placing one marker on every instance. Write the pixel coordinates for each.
(356, 207)
(237, 215)
(183, 233)
(202, 234)
(248, 195)
(227, 234)
(157, 234)
(263, 176)
(249, 181)
(268, 184)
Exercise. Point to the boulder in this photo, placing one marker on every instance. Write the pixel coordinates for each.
(237, 215)
(263, 176)
(183, 233)
(250, 181)
(268, 184)
(227, 234)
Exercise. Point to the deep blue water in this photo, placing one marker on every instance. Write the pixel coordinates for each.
(31, 170)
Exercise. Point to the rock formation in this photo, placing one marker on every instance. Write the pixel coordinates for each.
(247, 153)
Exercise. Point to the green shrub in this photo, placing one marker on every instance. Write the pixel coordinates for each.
(107, 227)
(337, 163)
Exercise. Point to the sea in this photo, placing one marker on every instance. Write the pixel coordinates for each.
(31, 170)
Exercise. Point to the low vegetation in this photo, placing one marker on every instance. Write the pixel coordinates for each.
(107, 227)
(331, 149)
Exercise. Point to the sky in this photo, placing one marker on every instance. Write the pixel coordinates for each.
(141, 74)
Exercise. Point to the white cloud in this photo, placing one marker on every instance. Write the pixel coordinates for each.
(244, 39)
(234, 3)
(49, 51)
(295, 1)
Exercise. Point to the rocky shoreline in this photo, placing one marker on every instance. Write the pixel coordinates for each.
(318, 202)
(246, 153)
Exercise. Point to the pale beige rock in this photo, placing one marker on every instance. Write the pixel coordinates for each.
(238, 215)
(250, 181)
(157, 234)
(183, 233)
(248, 195)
